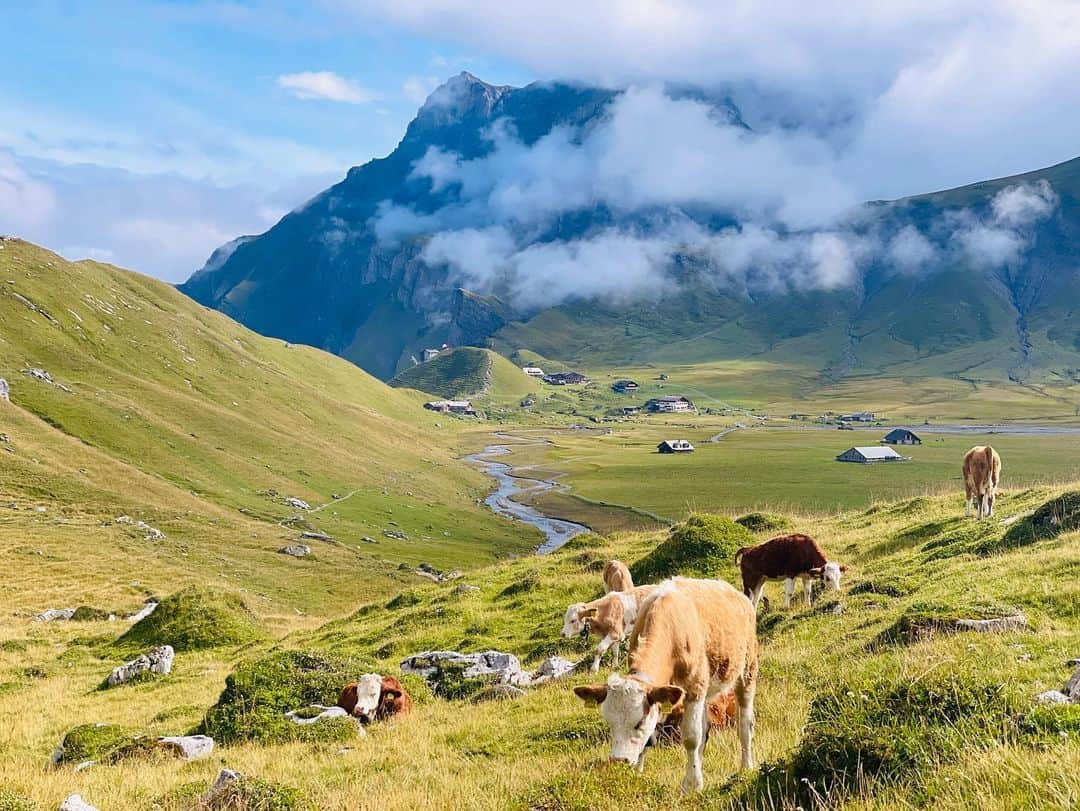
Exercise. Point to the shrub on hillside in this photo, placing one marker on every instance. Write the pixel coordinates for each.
(890, 730)
(242, 794)
(701, 546)
(1058, 515)
(889, 585)
(765, 522)
(257, 695)
(194, 619)
(86, 613)
(104, 743)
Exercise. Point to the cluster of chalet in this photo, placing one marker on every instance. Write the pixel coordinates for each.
(877, 453)
(463, 407)
(624, 386)
(431, 354)
(565, 379)
(858, 416)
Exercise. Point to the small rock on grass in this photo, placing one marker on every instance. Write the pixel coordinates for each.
(157, 661)
(75, 802)
(189, 747)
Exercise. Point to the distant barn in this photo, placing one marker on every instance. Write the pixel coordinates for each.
(675, 446)
(669, 404)
(902, 436)
(623, 386)
(866, 456)
(565, 379)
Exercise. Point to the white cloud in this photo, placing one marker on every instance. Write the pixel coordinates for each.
(1001, 238)
(418, 88)
(24, 200)
(324, 85)
(910, 251)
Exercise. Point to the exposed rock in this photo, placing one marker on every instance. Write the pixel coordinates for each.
(996, 625)
(156, 661)
(368, 539)
(316, 536)
(297, 503)
(1052, 697)
(53, 614)
(224, 779)
(44, 377)
(145, 611)
(152, 534)
(498, 692)
(465, 588)
(1072, 686)
(75, 802)
(189, 747)
(5, 390)
(500, 667)
(395, 534)
(303, 716)
(296, 550)
(552, 668)
(82, 767)
(430, 576)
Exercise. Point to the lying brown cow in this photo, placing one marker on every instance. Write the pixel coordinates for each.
(375, 698)
(982, 473)
(721, 711)
(786, 558)
(693, 639)
(617, 577)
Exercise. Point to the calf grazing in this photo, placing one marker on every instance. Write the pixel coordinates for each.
(694, 639)
(611, 618)
(617, 576)
(361, 698)
(721, 711)
(982, 473)
(786, 558)
(393, 700)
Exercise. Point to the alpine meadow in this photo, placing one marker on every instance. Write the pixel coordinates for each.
(686, 414)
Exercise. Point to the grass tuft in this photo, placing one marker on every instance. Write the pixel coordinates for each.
(194, 619)
(702, 546)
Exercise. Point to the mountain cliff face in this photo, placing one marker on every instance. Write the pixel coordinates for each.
(1000, 297)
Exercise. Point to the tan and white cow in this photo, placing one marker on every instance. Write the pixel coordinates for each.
(982, 474)
(611, 618)
(693, 640)
(617, 576)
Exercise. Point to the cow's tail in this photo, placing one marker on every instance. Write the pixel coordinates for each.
(740, 553)
(989, 458)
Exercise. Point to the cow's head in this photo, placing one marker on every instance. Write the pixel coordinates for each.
(368, 691)
(829, 574)
(574, 623)
(631, 709)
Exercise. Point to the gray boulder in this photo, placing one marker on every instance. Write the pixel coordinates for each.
(996, 625)
(552, 668)
(1072, 686)
(75, 802)
(296, 550)
(144, 612)
(5, 390)
(1052, 697)
(53, 614)
(157, 661)
(298, 503)
(189, 747)
(502, 668)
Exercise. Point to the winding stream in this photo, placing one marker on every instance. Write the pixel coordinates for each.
(556, 531)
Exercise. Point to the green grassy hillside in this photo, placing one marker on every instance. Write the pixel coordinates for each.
(902, 713)
(173, 414)
(468, 372)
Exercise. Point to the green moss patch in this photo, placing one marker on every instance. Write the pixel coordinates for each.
(887, 585)
(765, 522)
(105, 743)
(86, 613)
(893, 730)
(194, 619)
(1058, 515)
(11, 801)
(243, 794)
(578, 790)
(256, 697)
(702, 546)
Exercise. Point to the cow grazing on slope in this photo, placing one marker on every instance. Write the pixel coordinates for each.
(786, 558)
(722, 711)
(982, 473)
(617, 576)
(375, 698)
(611, 618)
(694, 639)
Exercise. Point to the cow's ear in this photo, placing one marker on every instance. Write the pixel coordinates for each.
(390, 691)
(816, 571)
(585, 613)
(591, 693)
(668, 694)
(843, 567)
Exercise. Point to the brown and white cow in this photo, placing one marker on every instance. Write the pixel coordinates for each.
(694, 639)
(617, 577)
(982, 473)
(722, 711)
(611, 618)
(787, 558)
(375, 698)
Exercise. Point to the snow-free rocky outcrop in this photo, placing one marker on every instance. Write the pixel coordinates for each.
(494, 666)
(1069, 694)
(157, 661)
(188, 747)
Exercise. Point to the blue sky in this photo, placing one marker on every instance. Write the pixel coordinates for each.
(147, 133)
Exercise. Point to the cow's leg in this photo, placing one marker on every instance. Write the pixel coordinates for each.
(754, 593)
(744, 695)
(789, 589)
(601, 649)
(990, 497)
(808, 589)
(693, 742)
(615, 655)
(641, 760)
